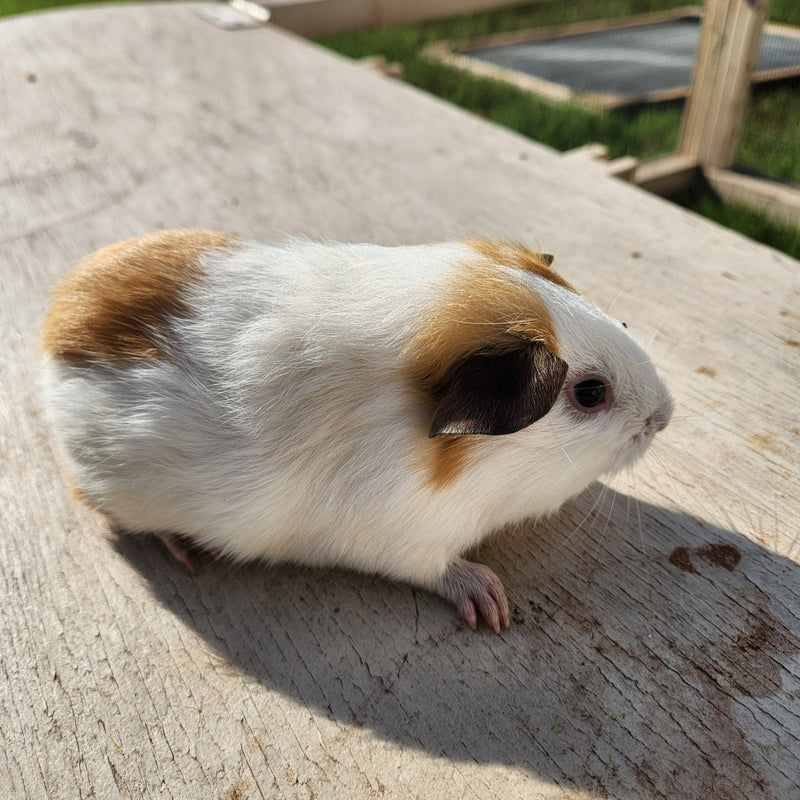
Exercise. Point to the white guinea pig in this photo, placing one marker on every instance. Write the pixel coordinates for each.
(377, 408)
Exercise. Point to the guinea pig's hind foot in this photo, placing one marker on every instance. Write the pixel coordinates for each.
(475, 589)
(187, 552)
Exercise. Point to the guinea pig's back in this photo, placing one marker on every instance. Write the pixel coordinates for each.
(129, 405)
(213, 387)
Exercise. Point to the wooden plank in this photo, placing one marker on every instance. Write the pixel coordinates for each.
(726, 59)
(624, 168)
(320, 17)
(589, 153)
(667, 176)
(778, 201)
(596, 155)
(654, 649)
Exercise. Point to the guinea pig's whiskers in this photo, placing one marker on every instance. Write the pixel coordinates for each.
(681, 417)
(633, 505)
(608, 515)
(714, 510)
(656, 332)
(664, 469)
(593, 513)
(680, 490)
(568, 457)
(637, 505)
(614, 302)
(789, 552)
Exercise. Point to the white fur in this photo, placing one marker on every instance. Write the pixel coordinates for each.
(285, 427)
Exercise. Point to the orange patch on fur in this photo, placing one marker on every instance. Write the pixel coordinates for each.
(518, 256)
(447, 458)
(113, 306)
(482, 309)
(79, 496)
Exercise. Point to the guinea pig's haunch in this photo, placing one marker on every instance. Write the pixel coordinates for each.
(377, 408)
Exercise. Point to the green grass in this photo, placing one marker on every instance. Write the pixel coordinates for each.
(743, 220)
(770, 139)
(786, 11)
(8, 7)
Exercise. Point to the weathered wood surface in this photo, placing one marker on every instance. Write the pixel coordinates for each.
(654, 649)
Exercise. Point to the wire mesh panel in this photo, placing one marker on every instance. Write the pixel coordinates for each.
(623, 64)
(769, 142)
(636, 61)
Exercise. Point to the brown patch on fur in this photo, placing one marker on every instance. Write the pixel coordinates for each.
(113, 306)
(79, 496)
(520, 257)
(447, 459)
(482, 309)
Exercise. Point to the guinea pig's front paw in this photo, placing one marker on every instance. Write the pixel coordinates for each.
(474, 589)
(191, 555)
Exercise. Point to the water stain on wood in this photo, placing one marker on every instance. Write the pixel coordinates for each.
(718, 554)
(721, 555)
(765, 441)
(754, 669)
(704, 369)
(238, 791)
(680, 557)
(748, 661)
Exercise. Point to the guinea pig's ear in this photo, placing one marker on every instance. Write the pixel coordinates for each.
(498, 391)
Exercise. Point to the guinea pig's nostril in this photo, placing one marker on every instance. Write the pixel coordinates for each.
(657, 421)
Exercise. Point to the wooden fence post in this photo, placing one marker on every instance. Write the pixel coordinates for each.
(726, 59)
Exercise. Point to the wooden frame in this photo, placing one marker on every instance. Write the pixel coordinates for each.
(778, 201)
(724, 68)
(456, 54)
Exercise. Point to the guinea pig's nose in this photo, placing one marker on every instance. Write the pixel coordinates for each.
(659, 419)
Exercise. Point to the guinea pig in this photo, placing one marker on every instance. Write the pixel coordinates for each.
(376, 408)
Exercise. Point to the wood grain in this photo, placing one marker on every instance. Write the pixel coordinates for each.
(654, 648)
(727, 53)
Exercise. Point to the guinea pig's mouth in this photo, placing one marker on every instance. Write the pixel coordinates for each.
(631, 452)
(637, 445)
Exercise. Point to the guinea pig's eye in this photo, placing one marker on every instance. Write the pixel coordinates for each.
(589, 394)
